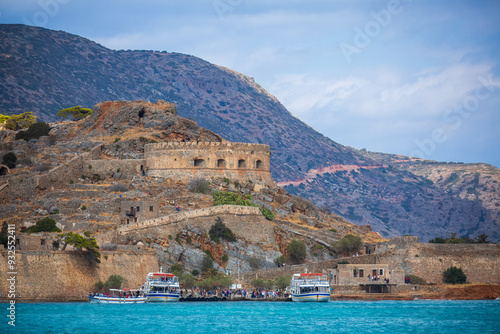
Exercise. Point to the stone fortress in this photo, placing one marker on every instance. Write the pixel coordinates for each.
(185, 160)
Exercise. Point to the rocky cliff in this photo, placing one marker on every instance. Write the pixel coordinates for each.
(44, 71)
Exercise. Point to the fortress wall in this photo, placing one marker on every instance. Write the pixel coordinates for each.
(246, 222)
(479, 262)
(106, 168)
(68, 275)
(21, 186)
(185, 215)
(185, 160)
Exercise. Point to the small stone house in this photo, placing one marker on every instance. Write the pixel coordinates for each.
(134, 211)
(36, 241)
(356, 274)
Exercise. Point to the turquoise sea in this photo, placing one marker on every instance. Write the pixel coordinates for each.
(418, 316)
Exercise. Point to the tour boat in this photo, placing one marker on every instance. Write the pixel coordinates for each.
(161, 287)
(118, 296)
(309, 287)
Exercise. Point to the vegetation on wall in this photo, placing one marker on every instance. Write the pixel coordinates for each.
(454, 275)
(43, 225)
(79, 242)
(453, 239)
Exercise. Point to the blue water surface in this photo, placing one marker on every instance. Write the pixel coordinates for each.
(418, 316)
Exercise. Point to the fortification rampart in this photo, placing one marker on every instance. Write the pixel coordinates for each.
(480, 262)
(185, 160)
(68, 275)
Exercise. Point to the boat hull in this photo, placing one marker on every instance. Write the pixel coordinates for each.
(162, 298)
(311, 297)
(117, 300)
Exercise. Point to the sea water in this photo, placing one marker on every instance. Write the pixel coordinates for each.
(417, 316)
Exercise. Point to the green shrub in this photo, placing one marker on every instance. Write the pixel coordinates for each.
(3, 118)
(207, 263)
(189, 240)
(177, 269)
(117, 139)
(416, 280)
(282, 282)
(320, 247)
(268, 214)
(297, 251)
(199, 185)
(454, 275)
(220, 231)
(84, 177)
(254, 263)
(84, 207)
(225, 258)
(35, 131)
(343, 262)
(280, 260)
(9, 159)
(232, 198)
(71, 182)
(43, 225)
(333, 230)
(437, 240)
(227, 180)
(195, 272)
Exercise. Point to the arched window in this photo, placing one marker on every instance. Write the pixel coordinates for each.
(221, 163)
(259, 164)
(199, 163)
(242, 163)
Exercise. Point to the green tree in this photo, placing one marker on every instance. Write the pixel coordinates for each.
(206, 264)
(43, 225)
(282, 282)
(187, 280)
(280, 260)
(297, 251)
(9, 159)
(3, 118)
(79, 242)
(76, 113)
(482, 239)
(217, 281)
(177, 269)
(454, 275)
(348, 244)
(437, 240)
(22, 121)
(34, 131)
(220, 231)
(114, 282)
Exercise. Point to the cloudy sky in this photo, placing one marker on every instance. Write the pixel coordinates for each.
(419, 78)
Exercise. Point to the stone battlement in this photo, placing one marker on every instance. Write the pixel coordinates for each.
(183, 215)
(187, 160)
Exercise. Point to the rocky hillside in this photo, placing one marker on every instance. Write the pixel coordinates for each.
(91, 200)
(44, 71)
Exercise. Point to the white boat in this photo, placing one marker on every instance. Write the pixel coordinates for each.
(161, 287)
(118, 296)
(309, 287)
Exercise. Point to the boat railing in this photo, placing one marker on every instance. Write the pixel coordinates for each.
(310, 281)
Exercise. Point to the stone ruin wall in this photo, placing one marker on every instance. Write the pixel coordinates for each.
(479, 262)
(68, 275)
(187, 160)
